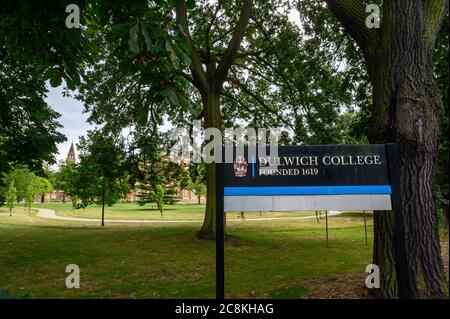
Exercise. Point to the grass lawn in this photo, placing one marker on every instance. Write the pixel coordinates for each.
(167, 261)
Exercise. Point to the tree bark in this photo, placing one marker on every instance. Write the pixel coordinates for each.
(444, 165)
(407, 110)
(211, 109)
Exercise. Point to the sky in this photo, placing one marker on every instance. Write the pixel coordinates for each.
(73, 120)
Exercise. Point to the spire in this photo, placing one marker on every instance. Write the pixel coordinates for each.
(71, 154)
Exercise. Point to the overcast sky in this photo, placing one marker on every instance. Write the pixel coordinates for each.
(73, 120)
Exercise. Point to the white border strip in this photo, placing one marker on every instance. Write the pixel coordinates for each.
(306, 202)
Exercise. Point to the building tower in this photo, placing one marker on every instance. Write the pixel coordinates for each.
(71, 155)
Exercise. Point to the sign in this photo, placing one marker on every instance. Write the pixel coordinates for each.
(324, 177)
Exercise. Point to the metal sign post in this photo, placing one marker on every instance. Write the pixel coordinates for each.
(220, 235)
(365, 226)
(326, 225)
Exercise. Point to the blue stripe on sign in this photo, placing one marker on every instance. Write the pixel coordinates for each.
(306, 190)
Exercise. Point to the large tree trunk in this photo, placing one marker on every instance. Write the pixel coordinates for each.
(414, 117)
(212, 119)
(408, 111)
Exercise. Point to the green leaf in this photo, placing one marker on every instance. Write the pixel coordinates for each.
(134, 40)
(142, 115)
(171, 95)
(73, 36)
(157, 47)
(162, 3)
(55, 80)
(190, 4)
(147, 39)
(182, 56)
(119, 30)
(124, 66)
(70, 84)
(183, 46)
(159, 32)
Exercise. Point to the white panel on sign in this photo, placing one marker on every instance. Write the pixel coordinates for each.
(306, 202)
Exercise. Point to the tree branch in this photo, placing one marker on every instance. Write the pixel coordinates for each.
(253, 53)
(263, 31)
(231, 97)
(196, 68)
(208, 28)
(258, 99)
(434, 13)
(255, 72)
(233, 47)
(221, 38)
(352, 15)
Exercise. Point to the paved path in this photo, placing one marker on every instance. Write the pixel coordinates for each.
(50, 214)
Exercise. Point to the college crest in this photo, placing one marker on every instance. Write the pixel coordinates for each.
(240, 167)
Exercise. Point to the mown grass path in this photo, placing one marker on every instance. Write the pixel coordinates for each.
(50, 214)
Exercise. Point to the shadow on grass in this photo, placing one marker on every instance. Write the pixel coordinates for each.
(5, 294)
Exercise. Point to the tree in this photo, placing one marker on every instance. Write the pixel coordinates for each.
(249, 63)
(36, 46)
(65, 179)
(35, 33)
(407, 110)
(101, 174)
(208, 77)
(26, 121)
(277, 78)
(31, 190)
(45, 186)
(199, 188)
(152, 168)
(184, 54)
(21, 176)
(36, 185)
(24, 184)
(197, 180)
(10, 196)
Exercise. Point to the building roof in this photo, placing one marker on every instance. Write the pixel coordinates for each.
(71, 150)
(71, 154)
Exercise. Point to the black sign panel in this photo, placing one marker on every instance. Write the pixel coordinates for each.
(344, 168)
(309, 166)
